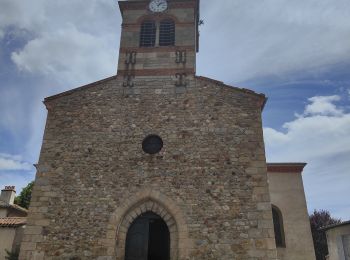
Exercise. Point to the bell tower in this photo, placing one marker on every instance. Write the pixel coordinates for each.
(158, 38)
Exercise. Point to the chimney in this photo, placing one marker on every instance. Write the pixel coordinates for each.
(8, 194)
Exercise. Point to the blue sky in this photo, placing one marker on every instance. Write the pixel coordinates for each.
(296, 52)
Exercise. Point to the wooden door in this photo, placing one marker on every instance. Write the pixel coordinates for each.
(137, 240)
(148, 238)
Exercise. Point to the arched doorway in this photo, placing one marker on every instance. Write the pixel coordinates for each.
(148, 238)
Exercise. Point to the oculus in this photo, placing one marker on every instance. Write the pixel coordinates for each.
(152, 144)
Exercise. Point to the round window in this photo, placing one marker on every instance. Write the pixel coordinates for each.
(152, 144)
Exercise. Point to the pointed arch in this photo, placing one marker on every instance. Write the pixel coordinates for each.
(148, 205)
(149, 201)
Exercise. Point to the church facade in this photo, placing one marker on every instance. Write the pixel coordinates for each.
(156, 162)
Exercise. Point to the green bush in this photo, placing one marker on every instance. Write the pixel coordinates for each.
(24, 197)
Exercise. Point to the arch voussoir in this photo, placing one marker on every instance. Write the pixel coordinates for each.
(150, 201)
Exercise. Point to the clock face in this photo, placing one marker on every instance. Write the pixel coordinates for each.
(158, 6)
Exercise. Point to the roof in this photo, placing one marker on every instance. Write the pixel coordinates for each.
(335, 225)
(4, 204)
(286, 167)
(12, 222)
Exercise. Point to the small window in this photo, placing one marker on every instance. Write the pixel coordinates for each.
(148, 34)
(152, 144)
(278, 227)
(167, 33)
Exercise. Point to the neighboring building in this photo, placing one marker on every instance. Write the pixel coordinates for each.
(12, 222)
(290, 215)
(157, 163)
(338, 240)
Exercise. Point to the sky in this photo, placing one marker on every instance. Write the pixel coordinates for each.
(296, 52)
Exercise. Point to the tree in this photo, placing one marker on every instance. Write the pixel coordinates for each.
(318, 220)
(24, 197)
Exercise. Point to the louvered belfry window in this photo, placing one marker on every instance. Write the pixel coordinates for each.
(148, 34)
(167, 33)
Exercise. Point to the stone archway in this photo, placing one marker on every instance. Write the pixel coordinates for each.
(148, 237)
(139, 209)
(142, 202)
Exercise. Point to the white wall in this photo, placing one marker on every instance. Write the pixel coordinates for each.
(338, 240)
(287, 193)
(7, 235)
(3, 213)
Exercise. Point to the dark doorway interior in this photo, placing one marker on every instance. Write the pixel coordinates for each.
(148, 238)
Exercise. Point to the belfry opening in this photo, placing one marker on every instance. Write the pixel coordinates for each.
(148, 238)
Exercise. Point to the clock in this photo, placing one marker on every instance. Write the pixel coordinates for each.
(158, 6)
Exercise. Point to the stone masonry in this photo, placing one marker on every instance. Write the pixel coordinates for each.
(208, 183)
(210, 176)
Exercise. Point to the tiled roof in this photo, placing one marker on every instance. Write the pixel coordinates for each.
(4, 204)
(12, 222)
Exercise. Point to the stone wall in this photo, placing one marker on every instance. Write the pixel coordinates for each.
(157, 58)
(210, 177)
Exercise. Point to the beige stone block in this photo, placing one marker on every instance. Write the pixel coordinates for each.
(42, 222)
(26, 246)
(265, 224)
(33, 230)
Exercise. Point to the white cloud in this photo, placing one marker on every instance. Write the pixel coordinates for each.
(12, 157)
(73, 42)
(321, 125)
(265, 38)
(68, 44)
(269, 37)
(81, 58)
(276, 136)
(13, 162)
(320, 137)
(42, 15)
(323, 106)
